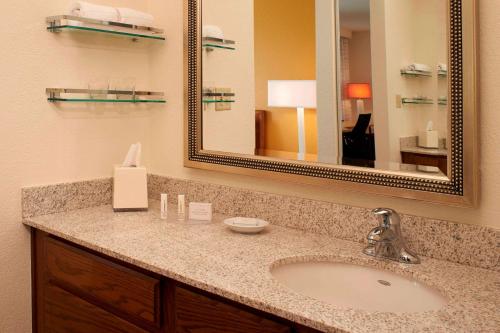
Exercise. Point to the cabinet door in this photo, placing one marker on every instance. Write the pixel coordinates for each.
(65, 313)
(196, 313)
(132, 294)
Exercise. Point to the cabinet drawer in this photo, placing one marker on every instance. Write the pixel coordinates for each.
(65, 313)
(119, 289)
(196, 313)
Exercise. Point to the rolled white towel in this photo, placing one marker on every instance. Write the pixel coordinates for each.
(443, 67)
(135, 17)
(419, 67)
(212, 31)
(97, 12)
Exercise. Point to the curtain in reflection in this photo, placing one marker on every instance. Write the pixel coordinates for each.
(346, 77)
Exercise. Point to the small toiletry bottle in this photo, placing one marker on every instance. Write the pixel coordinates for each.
(163, 206)
(181, 207)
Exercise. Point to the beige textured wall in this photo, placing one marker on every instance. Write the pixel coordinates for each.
(41, 143)
(233, 130)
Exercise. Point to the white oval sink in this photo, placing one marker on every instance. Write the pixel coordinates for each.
(358, 287)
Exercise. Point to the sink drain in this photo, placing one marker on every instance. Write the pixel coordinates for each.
(384, 283)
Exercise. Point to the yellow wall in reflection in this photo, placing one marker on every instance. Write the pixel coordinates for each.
(285, 49)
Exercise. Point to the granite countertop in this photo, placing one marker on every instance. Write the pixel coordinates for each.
(211, 257)
(425, 151)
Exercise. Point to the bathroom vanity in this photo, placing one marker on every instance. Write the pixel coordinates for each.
(80, 290)
(99, 271)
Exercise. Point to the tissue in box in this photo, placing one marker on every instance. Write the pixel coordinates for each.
(428, 139)
(130, 189)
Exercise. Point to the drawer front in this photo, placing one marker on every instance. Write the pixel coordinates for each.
(65, 313)
(103, 282)
(195, 313)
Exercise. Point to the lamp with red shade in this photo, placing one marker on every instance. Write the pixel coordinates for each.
(359, 92)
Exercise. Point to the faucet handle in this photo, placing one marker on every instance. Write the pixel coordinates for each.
(387, 217)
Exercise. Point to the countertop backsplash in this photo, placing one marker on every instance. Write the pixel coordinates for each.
(472, 245)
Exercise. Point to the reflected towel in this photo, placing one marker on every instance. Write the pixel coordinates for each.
(135, 17)
(443, 67)
(419, 67)
(212, 31)
(96, 12)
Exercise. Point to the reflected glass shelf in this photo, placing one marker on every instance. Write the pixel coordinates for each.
(210, 43)
(442, 102)
(74, 23)
(103, 96)
(212, 101)
(442, 73)
(415, 73)
(423, 101)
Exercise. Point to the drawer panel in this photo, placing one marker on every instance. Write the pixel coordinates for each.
(65, 313)
(196, 313)
(103, 282)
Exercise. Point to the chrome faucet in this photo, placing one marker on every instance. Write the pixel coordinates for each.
(386, 240)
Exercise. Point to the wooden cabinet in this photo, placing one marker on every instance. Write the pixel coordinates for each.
(438, 161)
(76, 290)
(198, 313)
(65, 312)
(115, 287)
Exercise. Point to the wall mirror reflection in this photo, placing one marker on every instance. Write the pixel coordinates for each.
(360, 83)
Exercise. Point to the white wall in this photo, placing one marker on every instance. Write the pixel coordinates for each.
(406, 38)
(326, 82)
(41, 144)
(233, 130)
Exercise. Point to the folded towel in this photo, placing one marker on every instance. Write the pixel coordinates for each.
(96, 12)
(135, 17)
(419, 67)
(212, 31)
(443, 67)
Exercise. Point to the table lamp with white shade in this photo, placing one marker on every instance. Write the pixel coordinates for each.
(299, 94)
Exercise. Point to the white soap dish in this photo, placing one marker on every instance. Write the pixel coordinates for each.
(246, 225)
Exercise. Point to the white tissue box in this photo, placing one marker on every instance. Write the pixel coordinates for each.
(428, 139)
(130, 189)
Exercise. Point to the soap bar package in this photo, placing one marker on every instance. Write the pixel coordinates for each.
(130, 189)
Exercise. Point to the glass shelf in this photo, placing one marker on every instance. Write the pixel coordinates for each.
(91, 100)
(442, 73)
(406, 72)
(210, 43)
(75, 23)
(103, 96)
(442, 102)
(219, 101)
(426, 101)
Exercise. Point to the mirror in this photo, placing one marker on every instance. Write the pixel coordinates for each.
(386, 66)
(346, 87)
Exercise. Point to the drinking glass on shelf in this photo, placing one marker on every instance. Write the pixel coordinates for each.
(126, 84)
(98, 88)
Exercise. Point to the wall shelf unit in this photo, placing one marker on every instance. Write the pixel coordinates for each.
(214, 97)
(71, 23)
(211, 43)
(419, 100)
(442, 101)
(406, 72)
(442, 73)
(56, 95)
